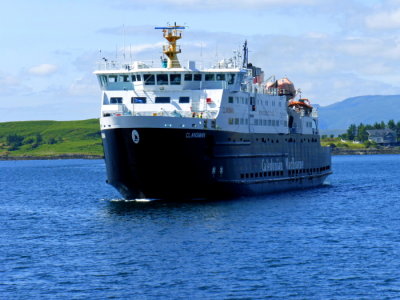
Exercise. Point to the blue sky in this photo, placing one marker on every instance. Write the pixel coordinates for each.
(331, 49)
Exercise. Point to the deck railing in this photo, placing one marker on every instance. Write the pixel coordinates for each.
(163, 113)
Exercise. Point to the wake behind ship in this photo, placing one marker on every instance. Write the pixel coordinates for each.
(173, 131)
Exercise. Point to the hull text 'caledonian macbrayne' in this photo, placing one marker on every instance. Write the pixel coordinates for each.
(182, 132)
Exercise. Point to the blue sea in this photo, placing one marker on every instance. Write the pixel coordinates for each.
(66, 234)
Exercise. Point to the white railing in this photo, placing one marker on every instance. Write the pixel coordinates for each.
(109, 65)
(163, 113)
(116, 65)
(178, 114)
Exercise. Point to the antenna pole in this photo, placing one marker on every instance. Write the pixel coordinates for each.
(245, 55)
(124, 42)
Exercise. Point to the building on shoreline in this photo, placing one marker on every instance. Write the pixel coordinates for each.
(384, 137)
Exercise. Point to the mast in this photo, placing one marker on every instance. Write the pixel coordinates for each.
(172, 34)
(245, 55)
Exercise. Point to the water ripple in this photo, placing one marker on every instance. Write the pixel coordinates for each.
(67, 235)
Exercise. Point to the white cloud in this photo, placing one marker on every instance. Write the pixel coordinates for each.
(43, 69)
(221, 4)
(135, 49)
(86, 86)
(12, 85)
(384, 20)
(379, 47)
(241, 3)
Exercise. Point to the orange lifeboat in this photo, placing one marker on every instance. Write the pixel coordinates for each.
(300, 103)
(286, 87)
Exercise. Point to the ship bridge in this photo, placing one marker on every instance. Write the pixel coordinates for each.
(163, 79)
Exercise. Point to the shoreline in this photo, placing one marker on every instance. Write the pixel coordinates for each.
(344, 151)
(335, 152)
(52, 157)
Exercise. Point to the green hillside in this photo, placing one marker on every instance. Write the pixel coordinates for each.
(50, 138)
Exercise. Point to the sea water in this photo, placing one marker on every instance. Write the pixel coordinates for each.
(66, 234)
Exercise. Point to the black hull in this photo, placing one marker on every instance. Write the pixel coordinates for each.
(158, 163)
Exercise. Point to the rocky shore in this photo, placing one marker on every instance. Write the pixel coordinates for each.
(345, 151)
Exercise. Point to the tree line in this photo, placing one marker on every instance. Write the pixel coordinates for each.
(359, 132)
(15, 141)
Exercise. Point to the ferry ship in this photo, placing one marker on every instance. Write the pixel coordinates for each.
(175, 131)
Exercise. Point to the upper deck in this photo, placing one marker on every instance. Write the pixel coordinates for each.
(140, 76)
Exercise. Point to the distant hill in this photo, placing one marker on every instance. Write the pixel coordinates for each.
(363, 109)
(50, 138)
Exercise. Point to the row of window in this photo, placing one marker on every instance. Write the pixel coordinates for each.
(281, 173)
(245, 100)
(261, 174)
(271, 140)
(257, 122)
(307, 171)
(118, 100)
(168, 79)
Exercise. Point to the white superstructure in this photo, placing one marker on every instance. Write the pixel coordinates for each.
(227, 96)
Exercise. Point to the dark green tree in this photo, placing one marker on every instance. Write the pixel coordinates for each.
(362, 134)
(392, 125)
(14, 141)
(351, 132)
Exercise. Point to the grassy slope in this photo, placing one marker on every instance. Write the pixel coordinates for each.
(72, 137)
(342, 144)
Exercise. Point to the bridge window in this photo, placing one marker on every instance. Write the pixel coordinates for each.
(162, 79)
(138, 100)
(149, 79)
(175, 79)
(115, 100)
(188, 77)
(112, 78)
(163, 100)
(125, 78)
(230, 99)
(136, 77)
(220, 77)
(103, 80)
(184, 99)
(209, 77)
(231, 78)
(197, 77)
